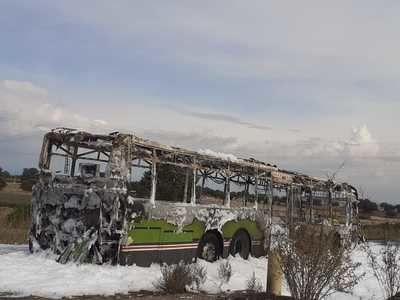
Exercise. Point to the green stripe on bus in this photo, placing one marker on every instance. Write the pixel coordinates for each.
(160, 231)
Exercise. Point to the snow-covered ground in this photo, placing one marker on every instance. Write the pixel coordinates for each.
(368, 288)
(24, 274)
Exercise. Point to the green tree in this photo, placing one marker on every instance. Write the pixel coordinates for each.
(29, 178)
(3, 174)
(3, 183)
(170, 183)
(367, 205)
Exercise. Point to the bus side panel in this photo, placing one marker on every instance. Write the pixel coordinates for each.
(147, 238)
(155, 241)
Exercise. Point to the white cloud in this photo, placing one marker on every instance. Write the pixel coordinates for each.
(362, 144)
(25, 87)
(27, 109)
(101, 122)
(358, 145)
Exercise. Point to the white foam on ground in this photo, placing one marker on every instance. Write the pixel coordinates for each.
(25, 274)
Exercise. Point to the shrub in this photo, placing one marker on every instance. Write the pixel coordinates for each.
(254, 285)
(391, 213)
(367, 205)
(177, 278)
(3, 183)
(29, 178)
(199, 275)
(4, 173)
(314, 264)
(385, 265)
(224, 272)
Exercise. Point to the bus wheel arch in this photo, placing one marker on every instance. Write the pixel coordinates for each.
(210, 246)
(241, 244)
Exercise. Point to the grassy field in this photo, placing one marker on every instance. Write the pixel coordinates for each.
(14, 215)
(384, 231)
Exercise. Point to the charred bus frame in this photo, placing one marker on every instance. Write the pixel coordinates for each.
(94, 217)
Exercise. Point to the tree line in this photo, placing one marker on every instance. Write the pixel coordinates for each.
(27, 179)
(368, 206)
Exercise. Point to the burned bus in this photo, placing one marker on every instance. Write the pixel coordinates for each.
(121, 199)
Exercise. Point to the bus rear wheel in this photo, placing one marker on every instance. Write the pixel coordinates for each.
(208, 248)
(240, 244)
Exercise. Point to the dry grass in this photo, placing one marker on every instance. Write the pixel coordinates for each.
(12, 195)
(381, 232)
(14, 215)
(12, 232)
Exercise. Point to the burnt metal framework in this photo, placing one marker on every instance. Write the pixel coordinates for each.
(88, 217)
(121, 152)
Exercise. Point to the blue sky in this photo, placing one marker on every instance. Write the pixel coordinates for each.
(304, 85)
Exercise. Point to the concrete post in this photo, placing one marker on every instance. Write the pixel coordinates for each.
(185, 189)
(256, 191)
(270, 201)
(227, 191)
(274, 275)
(193, 196)
(153, 183)
(291, 206)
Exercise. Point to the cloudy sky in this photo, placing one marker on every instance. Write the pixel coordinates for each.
(306, 85)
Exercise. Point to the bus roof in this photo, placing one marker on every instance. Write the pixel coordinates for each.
(146, 149)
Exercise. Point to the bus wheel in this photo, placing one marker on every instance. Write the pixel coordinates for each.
(241, 244)
(208, 249)
(30, 243)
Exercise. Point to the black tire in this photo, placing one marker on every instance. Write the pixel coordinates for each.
(45, 239)
(338, 243)
(209, 248)
(31, 236)
(240, 244)
(30, 243)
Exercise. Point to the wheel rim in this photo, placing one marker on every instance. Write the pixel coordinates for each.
(209, 252)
